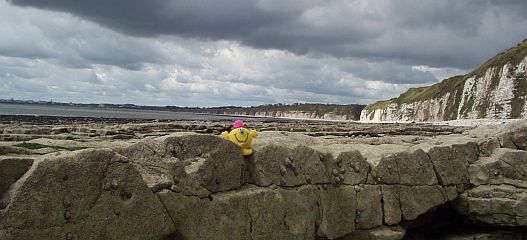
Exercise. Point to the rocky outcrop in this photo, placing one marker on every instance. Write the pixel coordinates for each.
(496, 90)
(93, 194)
(11, 169)
(500, 195)
(294, 186)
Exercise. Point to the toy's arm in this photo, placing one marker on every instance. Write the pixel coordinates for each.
(253, 133)
(225, 135)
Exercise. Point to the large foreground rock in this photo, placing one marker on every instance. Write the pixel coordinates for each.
(93, 194)
(11, 169)
(501, 205)
(195, 165)
(192, 186)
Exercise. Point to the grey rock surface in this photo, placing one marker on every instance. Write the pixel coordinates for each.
(91, 194)
(502, 205)
(296, 185)
(11, 169)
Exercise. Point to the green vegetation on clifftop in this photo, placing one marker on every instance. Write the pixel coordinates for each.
(423, 93)
(454, 86)
(351, 111)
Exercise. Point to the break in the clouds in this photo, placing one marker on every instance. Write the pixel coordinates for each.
(244, 52)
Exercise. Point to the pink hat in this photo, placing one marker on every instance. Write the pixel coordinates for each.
(238, 124)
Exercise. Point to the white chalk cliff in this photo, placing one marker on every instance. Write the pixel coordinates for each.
(496, 90)
(297, 110)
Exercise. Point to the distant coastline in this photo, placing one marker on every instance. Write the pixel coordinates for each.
(97, 105)
(74, 111)
(317, 111)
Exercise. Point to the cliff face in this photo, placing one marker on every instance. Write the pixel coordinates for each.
(294, 114)
(496, 90)
(301, 111)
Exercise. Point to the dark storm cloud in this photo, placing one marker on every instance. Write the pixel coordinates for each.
(204, 53)
(452, 33)
(202, 18)
(36, 34)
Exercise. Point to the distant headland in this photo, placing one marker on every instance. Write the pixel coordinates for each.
(295, 110)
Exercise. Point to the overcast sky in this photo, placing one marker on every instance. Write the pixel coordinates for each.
(245, 52)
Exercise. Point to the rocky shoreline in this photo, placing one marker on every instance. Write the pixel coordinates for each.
(75, 178)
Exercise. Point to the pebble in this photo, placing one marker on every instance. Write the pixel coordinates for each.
(295, 172)
(283, 170)
(337, 179)
(106, 187)
(288, 162)
(293, 166)
(66, 202)
(175, 188)
(172, 149)
(127, 194)
(67, 215)
(308, 179)
(339, 164)
(117, 212)
(69, 236)
(282, 182)
(114, 184)
(341, 176)
(335, 172)
(321, 157)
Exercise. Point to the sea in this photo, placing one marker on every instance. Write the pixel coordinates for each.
(76, 111)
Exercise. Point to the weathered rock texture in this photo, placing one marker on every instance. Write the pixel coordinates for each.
(496, 90)
(295, 186)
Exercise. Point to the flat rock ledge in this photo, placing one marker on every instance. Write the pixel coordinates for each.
(294, 186)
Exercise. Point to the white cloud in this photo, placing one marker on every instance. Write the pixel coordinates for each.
(46, 54)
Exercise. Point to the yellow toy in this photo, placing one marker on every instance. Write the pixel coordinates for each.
(242, 136)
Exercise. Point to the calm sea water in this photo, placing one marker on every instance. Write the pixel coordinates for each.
(71, 111)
